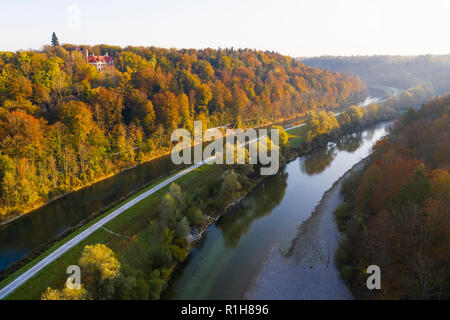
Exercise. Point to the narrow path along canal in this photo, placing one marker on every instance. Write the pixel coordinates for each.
(20, 237)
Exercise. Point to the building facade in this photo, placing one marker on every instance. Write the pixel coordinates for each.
(100, 62)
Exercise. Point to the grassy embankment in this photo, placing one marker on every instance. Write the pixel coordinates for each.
(128, 224)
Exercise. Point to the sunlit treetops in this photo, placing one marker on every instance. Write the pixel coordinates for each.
(64, 123)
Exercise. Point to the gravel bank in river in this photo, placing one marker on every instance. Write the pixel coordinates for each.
(308, 270)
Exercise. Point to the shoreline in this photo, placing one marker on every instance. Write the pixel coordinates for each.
(307, 270)
(292, 156)
(296, 152)
(64, 194)
(319, 208)
(41, 204)
(115, 173)
(4, 274)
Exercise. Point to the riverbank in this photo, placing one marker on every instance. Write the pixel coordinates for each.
(61, 231)
(307, 270)
(4, 220)
(35, 251)
(128, 224)
(56, 197)
(105, 238)
(89, 220)
(223, 263)
(146, 214)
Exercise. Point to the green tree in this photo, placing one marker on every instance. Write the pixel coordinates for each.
(182, 229)
(229, 188)
(417, 189)
(156, 284)
(168, 212)
(321, 123)
(195, 216)
(55, 42)
(175, 192)
(100, 268)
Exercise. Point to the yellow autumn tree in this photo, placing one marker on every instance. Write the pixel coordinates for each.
(100, 268)
(64, 294)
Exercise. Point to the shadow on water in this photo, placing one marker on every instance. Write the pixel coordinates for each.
(227, 232)
(322, 158)
(37, 229)
(318, 161)
(224, 263)
(235, 224)
(20, 237)
(350, 142)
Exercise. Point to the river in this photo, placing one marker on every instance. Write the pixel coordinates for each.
(236, 253)
(30, 232)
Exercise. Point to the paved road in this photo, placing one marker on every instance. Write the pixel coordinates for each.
(80, 237)
(389, 98)
(20, 280)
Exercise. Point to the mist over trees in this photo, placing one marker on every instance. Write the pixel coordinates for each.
(397, 71)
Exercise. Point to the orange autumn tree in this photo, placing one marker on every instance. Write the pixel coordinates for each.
(399, 215)
(74, 124)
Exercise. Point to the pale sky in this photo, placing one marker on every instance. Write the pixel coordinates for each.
(296, 28)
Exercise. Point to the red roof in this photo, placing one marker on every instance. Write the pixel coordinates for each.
(95, 59)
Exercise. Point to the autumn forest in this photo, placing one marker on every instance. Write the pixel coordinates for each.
(372, 130)
(65, 125)
(396, 212)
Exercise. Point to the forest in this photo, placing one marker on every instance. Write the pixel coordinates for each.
(153, 239)
(65, 125)
(396, 212)
(396, 71)
(323, 126)
(140, 266)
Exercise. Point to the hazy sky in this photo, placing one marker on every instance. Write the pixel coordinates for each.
(296, 28)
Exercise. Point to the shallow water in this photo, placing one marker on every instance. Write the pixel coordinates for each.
(224, 263)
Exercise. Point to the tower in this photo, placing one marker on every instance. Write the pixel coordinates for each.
(85, 53)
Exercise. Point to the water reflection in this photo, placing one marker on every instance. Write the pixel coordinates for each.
(321, 159)
(20, 237)
(224, 263)
(369, 134)
(318, 161)
(349, 142)
(262, 202)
